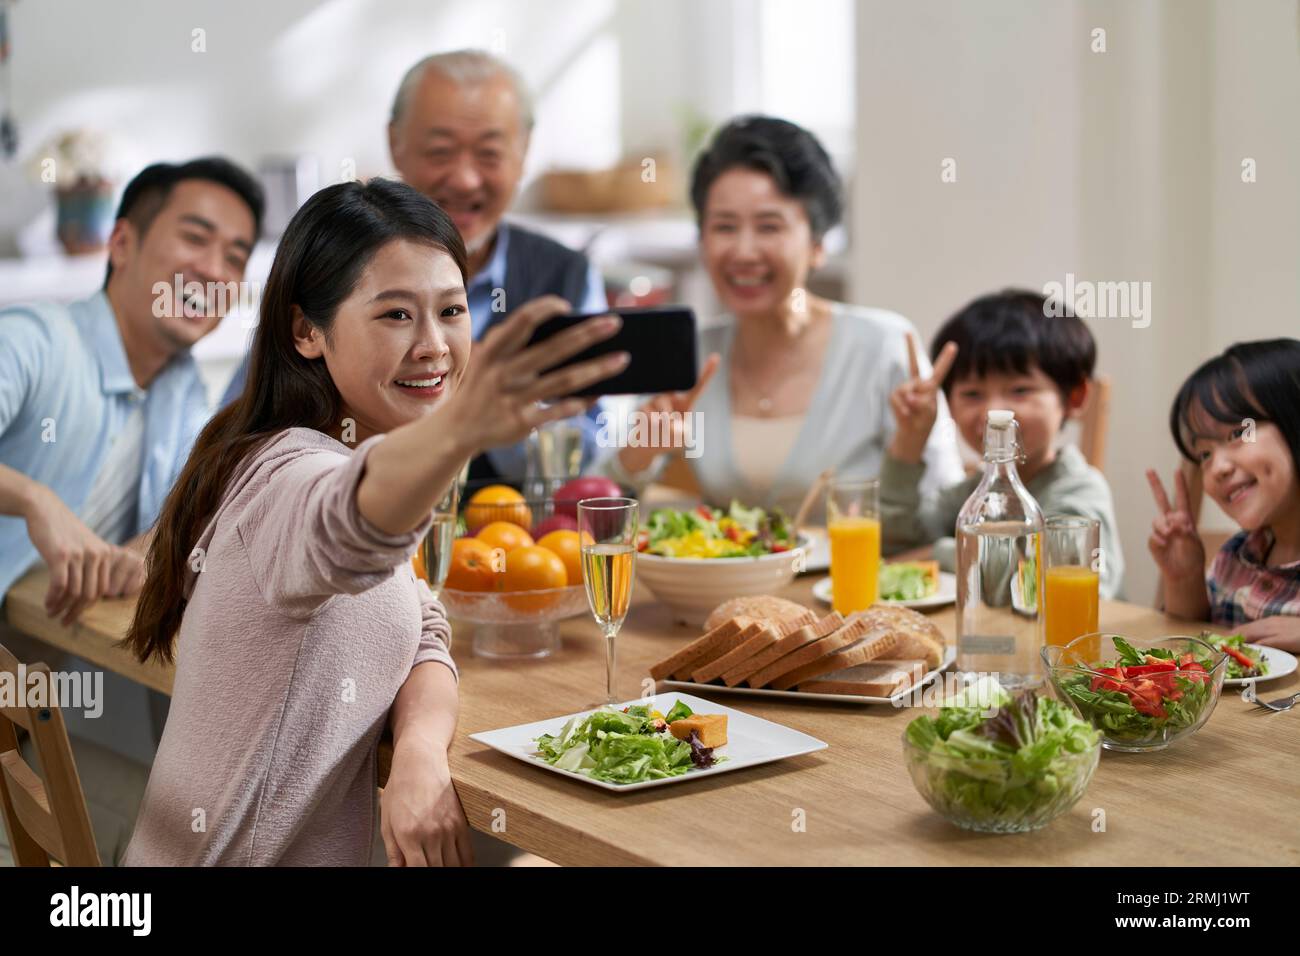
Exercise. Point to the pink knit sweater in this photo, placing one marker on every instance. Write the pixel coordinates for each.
(301, 628)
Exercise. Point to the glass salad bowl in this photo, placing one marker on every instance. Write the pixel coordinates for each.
(976, 780)
(1141, 695)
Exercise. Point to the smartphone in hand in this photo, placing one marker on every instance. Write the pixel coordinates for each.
(660, 340)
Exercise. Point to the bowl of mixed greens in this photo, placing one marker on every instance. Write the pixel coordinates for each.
(694, 559)
(1001, 764)
(1140, 698)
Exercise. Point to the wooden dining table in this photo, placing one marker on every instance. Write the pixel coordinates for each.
(1227, 795)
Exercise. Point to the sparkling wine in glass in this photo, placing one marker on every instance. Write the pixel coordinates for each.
(607, 530)
(435, 549)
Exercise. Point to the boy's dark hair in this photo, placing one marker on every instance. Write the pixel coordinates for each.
(147, 193)
(1011, 332)
(790, 154)
(1256, 380)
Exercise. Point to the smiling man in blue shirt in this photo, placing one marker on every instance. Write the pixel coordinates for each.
(100, 401)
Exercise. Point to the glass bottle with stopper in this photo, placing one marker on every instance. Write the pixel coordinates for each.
(999, 566)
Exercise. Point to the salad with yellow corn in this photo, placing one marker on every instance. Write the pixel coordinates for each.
(705, 532)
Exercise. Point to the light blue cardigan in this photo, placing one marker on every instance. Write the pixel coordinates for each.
(847, 427)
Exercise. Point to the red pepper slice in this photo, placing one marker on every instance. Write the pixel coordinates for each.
(1146, 698)
(1101, 683)
(1239, 657)
(642, 540)
(704, 512)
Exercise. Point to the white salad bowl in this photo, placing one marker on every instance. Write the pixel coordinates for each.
(693, 587)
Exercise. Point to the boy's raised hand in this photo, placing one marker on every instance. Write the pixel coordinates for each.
(1175, 543)
(915, 403)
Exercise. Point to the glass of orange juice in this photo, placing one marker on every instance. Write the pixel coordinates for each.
(1072, 582)
(853, 525)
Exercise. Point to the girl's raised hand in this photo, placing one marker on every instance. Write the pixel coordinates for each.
(1175, 543)
(497, 399)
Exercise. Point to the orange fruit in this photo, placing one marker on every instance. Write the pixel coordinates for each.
(505, 535)
(471, 566)
(531, 568)
(567, 547)
(497, 503)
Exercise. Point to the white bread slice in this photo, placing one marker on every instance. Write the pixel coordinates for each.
(917, 635)
(759, 641)
(757, 633)
(872, 679)
(875, 643)
(761, 635)
(848, 634)
(795, 639)
(689, 655)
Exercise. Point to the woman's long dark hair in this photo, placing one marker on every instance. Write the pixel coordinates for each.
(1257, 380)
(321, 256)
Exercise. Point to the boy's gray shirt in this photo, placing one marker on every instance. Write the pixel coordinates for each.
(1068, 486)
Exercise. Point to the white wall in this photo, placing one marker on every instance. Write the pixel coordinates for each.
(290, 77)
(1123, 165)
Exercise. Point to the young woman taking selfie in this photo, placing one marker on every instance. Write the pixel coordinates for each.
(279, 578)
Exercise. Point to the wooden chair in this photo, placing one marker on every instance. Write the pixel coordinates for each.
(1094, 423)
(44, 820)
(677, 474)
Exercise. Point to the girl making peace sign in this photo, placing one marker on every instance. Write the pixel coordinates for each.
(1238, 418)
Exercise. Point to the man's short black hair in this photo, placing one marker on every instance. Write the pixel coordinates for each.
(148, 192)
(1011, 332)
(791, 155)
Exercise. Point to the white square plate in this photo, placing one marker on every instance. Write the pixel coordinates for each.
(750, 741)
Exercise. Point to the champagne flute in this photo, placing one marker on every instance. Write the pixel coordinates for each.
(435, 549)
(607, 530)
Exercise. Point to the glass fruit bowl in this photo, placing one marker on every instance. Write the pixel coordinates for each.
(1148, 706)
(515, 624)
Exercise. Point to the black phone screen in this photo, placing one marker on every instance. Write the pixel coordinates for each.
(660, 340)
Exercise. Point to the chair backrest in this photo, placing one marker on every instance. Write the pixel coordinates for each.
(44, 819)
(677, 474)
(1094, 423)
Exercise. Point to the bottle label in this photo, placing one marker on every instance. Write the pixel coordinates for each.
(1004, 644)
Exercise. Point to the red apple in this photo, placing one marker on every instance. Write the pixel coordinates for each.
(555, 522)
(592, 486)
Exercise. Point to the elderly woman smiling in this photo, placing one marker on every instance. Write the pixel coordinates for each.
(797, 384)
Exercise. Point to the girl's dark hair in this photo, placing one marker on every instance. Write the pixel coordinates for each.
(1258, 380)
(790, 154)
(325, 248)
(1011, 332)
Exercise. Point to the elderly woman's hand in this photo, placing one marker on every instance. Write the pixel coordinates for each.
(676, 405)
(421, 819)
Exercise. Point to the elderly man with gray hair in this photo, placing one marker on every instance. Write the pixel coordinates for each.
(459, 132)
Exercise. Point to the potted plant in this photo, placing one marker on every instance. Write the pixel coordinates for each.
(76, 163)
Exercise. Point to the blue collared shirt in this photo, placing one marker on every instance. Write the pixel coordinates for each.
(512, 460)
(65, 390)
